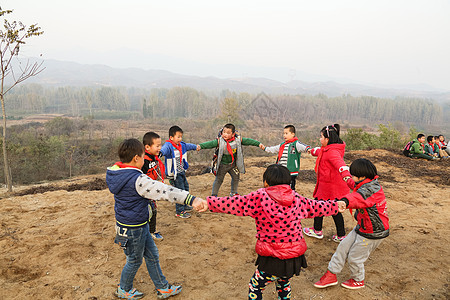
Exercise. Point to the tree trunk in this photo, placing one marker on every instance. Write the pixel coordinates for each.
(5, 155)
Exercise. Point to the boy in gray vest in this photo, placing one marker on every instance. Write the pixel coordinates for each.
(289, 152)
(230, 158)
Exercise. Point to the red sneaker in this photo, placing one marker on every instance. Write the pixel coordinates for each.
(353, 284)
(326, 280)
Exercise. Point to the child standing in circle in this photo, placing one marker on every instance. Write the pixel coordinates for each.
(330, 167)
(277, 211)
(230, 157)
(289, 152)
(373, 226)
(154, 168)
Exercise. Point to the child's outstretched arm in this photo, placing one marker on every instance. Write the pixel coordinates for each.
(250, 142)
(237, 205)
(356, 200)
(302, 147)
(209, 144)
(272, 149)
(155, 190)
(314, 151)
(338, 162)
(190, 147)
(311, 208)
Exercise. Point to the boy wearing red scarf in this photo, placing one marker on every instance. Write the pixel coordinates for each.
(230, 158)
(289, 152)
(154, 168)
(174, 151)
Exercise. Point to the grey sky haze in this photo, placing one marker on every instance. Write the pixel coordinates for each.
(383, 42)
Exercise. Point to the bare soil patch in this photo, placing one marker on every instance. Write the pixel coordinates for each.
(57, 239)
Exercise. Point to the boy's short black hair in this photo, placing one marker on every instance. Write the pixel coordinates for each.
(129, 148)
(430, 138)
(230, 126)
(149, 137)
(174, 129)
(291, 128)
(331, 132)
(362, 167)
(277, 174)
(420, 135)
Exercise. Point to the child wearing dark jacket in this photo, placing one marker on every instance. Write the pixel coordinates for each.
(277, 211)
(369, 203)
(154, 168)
(132, 190)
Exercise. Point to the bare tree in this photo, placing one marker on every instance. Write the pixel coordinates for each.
(12, 37)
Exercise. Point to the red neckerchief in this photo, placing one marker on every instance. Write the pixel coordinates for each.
(229, 147)
(319, 157)
(280, 152)
(162, 169)
(178, 147)
(122, 165)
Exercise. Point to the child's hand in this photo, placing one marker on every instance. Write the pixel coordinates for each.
(262, 146)
(341, 206)
(199, 148)
(200, 205)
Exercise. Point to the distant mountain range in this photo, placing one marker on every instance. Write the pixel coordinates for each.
(63, 73)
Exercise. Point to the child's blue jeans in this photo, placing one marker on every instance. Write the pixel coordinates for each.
(141, 245)
(180, 182)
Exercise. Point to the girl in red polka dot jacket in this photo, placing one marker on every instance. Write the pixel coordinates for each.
(277, 211)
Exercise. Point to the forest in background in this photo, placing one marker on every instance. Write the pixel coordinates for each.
(93, 121)
(184, 102)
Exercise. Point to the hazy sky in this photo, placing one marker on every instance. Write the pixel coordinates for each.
(390, 42)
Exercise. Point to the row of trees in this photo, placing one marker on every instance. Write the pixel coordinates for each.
(185, 102)
(65, 147)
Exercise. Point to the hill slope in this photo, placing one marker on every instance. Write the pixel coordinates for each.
(60, 243)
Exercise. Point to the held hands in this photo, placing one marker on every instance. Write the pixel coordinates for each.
(262, 146)
(199, 148)
(200, 205)
(341, 206)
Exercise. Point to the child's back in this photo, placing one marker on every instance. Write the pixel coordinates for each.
(277, 211)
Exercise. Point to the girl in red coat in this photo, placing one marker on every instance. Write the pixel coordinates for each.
(333, 178)
(277, 211)
(369, 203)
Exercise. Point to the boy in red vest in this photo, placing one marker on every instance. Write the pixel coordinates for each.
(154, 168)
(289, 152)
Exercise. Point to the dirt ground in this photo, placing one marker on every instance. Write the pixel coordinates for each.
(57, 239)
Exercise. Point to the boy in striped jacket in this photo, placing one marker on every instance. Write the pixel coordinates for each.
(289, 152)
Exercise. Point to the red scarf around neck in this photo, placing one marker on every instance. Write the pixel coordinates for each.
(161, 168)
(122, 165)
(319, 157)
(229, 147)
(280, 152)
(178, 147)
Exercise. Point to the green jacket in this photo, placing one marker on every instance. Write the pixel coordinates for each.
(416, 147)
